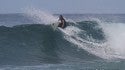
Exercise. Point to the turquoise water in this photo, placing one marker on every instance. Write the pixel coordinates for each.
(89, 42)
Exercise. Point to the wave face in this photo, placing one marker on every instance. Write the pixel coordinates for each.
(86, 43)
(37, 43)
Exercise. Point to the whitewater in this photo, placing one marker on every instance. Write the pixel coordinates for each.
(90, 41)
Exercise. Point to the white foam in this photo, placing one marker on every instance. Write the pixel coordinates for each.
(115, 34)
(112, 49)
(71, 30)
(71, 35)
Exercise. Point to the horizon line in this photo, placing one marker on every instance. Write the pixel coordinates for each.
(69, 13)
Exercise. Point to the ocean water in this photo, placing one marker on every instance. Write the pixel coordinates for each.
(28, 41)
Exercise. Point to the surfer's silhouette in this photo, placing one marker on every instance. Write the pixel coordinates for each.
(62, 22)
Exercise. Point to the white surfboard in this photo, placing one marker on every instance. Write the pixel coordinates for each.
(55, 25)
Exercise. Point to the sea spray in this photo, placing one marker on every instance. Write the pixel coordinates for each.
(115, 36)
(41, 17)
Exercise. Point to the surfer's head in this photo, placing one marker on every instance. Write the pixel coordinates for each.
(61, 17)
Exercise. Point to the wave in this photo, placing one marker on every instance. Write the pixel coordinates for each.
(34, 41)
(38, 43)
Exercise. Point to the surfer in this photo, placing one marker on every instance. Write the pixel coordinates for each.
(62, 22)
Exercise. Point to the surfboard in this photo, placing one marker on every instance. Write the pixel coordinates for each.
(55, 25)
